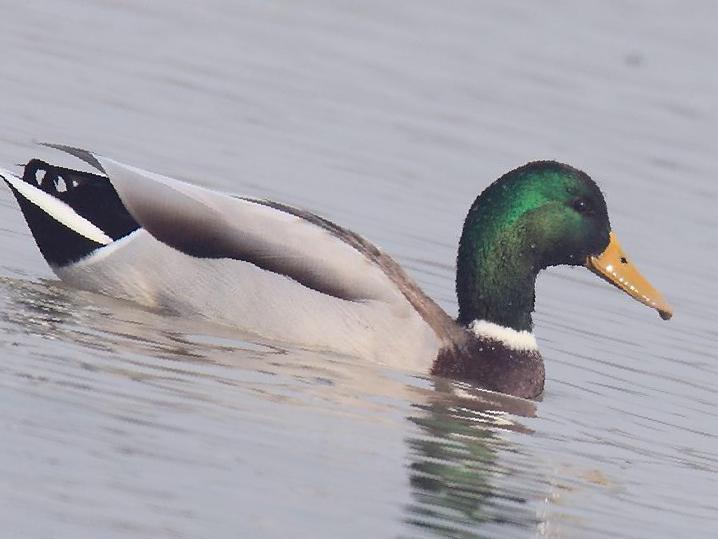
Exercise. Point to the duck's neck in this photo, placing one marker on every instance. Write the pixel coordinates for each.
(496, 273)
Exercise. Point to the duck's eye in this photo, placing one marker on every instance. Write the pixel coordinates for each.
(582, 206)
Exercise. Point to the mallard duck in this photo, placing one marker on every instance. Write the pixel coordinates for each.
(290, 275)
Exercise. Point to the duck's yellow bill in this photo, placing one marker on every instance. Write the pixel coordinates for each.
(614, 266)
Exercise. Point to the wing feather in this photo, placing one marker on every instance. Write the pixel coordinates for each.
(298, 244)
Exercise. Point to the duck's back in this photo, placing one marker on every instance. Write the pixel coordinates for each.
(267, 268)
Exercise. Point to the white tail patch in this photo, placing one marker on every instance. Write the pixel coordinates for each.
(57, 209)
(516, 340)
(60, 185)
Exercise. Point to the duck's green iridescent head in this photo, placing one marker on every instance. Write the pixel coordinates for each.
(541, 214)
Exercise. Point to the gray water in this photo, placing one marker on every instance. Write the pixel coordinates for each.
(389, 118)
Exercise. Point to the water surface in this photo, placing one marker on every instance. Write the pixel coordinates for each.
(388, 118)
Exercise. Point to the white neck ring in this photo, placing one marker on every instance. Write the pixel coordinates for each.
(511, 338)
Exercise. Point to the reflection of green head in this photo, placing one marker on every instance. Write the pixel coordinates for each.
(460, 486)
(542, 214)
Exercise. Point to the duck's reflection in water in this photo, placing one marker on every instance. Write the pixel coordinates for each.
(456, 471)
(53, 310)
(463, 471)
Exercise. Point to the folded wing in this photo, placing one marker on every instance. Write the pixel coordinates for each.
(208, 224)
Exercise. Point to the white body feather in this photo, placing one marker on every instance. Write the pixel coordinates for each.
(231, 292)
(377, 323)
